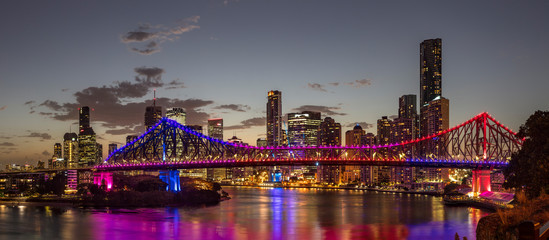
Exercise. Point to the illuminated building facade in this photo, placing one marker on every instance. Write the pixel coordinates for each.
(87, 144)
(112, 148)
(435, 116)
(153, 114)
(329, 133)
(177, 114)
(430, 55)
(131, 138)
(215, 128)
(70, 149)
(274, 118)
(303, 128)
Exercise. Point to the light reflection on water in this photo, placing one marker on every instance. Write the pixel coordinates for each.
(254, 213)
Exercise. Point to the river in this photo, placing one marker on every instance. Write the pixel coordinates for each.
(255, 214)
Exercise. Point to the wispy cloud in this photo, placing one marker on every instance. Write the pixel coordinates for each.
(6, 144)
(248, 123)
(330, 111)
(147, 39)
(42, 136)
(359, 83)
(46, 153)
(175, 84)
(364, 125)
(3, 107)
(234, 107)
(316, 86)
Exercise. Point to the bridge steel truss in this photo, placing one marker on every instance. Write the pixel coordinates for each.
(479, 142)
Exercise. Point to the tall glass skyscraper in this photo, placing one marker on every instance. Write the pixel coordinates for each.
(274, 118)
(430, 55)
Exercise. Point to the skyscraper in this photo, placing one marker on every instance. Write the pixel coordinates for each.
(84, 118)
(70, 149)
(177, 114)
(112, 148)
(430, 70)
(274, 118)
(215, 128)
(435, 116)
(87, 144)
(329, 133)
(153, 114)
(407, 106)
(303, 128)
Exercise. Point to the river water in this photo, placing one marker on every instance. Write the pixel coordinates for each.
(256, 214)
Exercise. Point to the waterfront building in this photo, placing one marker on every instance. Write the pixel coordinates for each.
(215, 128)
(329, 133)
(261, 142)
(274, 118)
(430, 55)
(70, 149)
(303, 128)
(87, 144)
(352, 174)
(435, 116)
(153, 114)
(131, 138)
(112, 148)
(177, 114)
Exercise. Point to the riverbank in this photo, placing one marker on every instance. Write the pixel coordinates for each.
(429, 193)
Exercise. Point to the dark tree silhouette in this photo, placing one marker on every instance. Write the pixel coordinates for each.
(528, 169)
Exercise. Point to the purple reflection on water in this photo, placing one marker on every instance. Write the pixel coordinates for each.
(255, 213)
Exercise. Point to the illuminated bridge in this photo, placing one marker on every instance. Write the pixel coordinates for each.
(479, 143)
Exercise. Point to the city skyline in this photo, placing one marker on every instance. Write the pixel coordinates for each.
(218, 59)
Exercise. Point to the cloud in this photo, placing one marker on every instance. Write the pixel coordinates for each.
(30, 102)
(46, 153)
(364, 125)
(64, 89)
(234, 107)
(6, 144)
(123, 131)
(393, 117)
(52, 105)
(175, 84)
(3, 107)
(148, 39)
(117, 106)
(43, 136)
(359, 83)
(316, 86)
(248, 123)
(331, 111)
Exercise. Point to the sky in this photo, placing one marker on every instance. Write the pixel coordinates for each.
(351, 60)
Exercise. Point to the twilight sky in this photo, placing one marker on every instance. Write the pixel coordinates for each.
(351, 60)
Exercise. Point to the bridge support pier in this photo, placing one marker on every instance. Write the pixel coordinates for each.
(171, 177)
(103, 178)
(481, 181)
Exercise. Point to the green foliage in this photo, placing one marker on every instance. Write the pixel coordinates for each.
(528, 169)
(450, 188)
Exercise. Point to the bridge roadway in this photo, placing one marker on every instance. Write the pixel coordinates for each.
(302, 162)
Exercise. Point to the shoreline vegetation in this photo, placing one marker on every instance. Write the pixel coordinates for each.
(505, 223)
(132, 192)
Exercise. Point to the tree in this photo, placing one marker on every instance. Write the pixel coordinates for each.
(528, 169)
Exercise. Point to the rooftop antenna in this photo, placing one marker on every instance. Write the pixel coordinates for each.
(154, 98)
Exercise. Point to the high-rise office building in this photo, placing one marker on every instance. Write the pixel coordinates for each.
(215, 128)
(57, 150)
(87, 144)
(430, 70)
(153, 114)
(274, 118)
(99, 153)
(84, 119)
(435, 116)
(384, 130)
(112, 148)
(329, 133)
(303, 128)
(177, 114)
(131, 138)
(70, 149)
